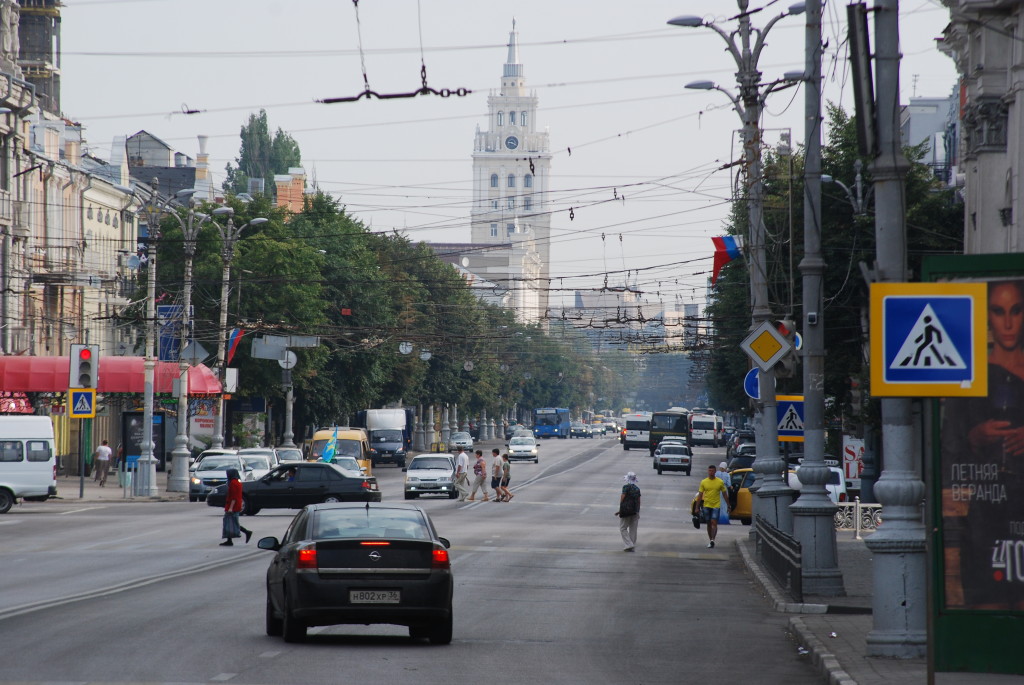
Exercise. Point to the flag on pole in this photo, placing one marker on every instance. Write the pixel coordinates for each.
(330, 448)
(727, 248)
(233, 340)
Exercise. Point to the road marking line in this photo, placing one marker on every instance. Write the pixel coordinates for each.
(223, 676)
(78, 511)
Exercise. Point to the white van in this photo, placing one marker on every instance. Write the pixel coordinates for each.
(704, 429)
(28, 464)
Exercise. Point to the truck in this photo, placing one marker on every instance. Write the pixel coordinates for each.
(390, 433)
(28, 461)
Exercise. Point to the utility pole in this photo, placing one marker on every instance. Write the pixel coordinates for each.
(813, 512)
(899, 611)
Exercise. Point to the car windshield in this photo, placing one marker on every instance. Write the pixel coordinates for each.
(460, 436)
(522, 441)
(218, 464)
(257, 462)
(386, 436)
(368, 522)
(430, 463)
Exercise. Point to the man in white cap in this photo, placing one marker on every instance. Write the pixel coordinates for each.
(629, 511)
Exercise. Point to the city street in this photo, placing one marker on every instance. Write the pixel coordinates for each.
(141, 592)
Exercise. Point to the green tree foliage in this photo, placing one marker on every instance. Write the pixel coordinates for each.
(261, 156)
(934, 226)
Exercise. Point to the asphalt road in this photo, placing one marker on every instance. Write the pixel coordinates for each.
(140, 592)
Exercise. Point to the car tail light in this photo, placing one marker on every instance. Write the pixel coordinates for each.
(441, 559)
(306, 558)
(369, 485)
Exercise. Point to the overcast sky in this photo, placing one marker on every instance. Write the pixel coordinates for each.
(609, 76)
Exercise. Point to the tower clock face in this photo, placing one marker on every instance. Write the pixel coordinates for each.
(511, 142)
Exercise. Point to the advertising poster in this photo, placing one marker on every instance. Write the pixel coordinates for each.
(981, 467)
(853, 460)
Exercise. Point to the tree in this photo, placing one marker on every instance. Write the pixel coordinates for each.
(261, 156)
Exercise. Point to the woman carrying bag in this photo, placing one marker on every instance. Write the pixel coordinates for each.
(232, 509)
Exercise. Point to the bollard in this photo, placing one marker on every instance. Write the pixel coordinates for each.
(856, 517)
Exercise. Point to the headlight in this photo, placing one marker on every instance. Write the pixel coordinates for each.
(412, 479)
(196, 481)
(444, 480)
(533, 451)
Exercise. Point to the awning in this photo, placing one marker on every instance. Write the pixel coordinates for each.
(116, 374)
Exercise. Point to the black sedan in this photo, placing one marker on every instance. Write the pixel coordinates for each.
(360, 564)
(294, 485)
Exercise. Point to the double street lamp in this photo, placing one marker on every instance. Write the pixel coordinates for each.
(744, 44)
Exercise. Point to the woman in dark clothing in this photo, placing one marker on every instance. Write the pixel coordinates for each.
(232, 508)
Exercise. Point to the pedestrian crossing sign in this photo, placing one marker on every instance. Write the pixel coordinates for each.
(790, 413)
(81, 403)
(929, 340)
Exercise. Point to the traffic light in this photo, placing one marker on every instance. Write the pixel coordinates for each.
(787, 366)
(85, 366)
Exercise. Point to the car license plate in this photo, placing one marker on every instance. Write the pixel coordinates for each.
(374, 596)
(674, 460)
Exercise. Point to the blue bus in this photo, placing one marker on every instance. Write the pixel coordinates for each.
(551, 423)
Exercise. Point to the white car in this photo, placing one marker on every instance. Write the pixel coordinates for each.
(673, 457)
(211, 471)
(836, 484)
(462, 440)
(430, 474)
(523, 447)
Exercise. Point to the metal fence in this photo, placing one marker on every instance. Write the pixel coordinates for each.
(780, 553)
(857, 517)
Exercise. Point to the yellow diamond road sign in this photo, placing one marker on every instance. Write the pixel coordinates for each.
(765, 345)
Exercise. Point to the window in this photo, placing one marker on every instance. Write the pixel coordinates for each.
(510, 228)
(511, 203)
(11, 450)
(528, 203)
(494, 204)
(494, 180)
(512, 118)
(501, 118)
(494, 230)
(511, 181)
(38, 450)
(522, 119)
(528, 181)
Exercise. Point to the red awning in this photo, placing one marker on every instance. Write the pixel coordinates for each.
(116, 374)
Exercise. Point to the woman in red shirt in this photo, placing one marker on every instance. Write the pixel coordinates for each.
(232, 508)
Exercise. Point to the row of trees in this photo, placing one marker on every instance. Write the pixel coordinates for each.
(321, 272)
(934, 226)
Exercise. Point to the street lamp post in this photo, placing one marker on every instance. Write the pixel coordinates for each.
(190, 226)
(774, 496)
(229, 234)
(152, 208)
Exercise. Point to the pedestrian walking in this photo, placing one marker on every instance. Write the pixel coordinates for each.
(101, 463)
(712, 489)
(723, 510)
(629, 511)
(479, 477)
(506, 477)
(462, 474)
(231, 528)
(497, 471)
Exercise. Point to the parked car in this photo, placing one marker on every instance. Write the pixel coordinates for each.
(743, 457)
(673, 457)
(359, 564)
(580, 430)
(741, 500)
(462, 440)
(210, 472)
(294, 485)
(836, 484)
(523, 447)
(430, 474)
(740, 437)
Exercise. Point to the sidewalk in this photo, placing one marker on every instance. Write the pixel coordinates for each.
(70, 489)
(834, 630)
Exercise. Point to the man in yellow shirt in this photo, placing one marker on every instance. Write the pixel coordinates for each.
(710, 497)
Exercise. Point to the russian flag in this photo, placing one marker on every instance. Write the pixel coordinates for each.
(727, 248)
(233, 340)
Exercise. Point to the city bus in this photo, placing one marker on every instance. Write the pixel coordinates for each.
(672, 421)
(551, 422)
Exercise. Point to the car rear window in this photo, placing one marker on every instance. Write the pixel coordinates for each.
(369, 523)
(638, 425)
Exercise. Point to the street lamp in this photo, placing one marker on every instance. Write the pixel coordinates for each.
(229, 234)
(190, 226)
(857, 196)
(773, 495)
(152, 208)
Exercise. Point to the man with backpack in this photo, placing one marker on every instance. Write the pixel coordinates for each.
(629, 511)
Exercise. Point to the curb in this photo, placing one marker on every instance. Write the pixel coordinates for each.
(822, 659)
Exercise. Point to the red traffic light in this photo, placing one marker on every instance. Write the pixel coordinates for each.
(85, 354)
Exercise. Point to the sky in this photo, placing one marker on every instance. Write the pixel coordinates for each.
(638, 187)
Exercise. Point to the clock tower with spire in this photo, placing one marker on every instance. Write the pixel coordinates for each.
(511, 169)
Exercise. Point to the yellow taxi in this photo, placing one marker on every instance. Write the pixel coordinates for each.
(741, 500)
